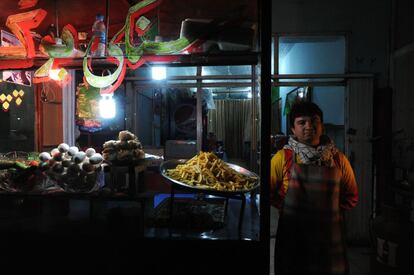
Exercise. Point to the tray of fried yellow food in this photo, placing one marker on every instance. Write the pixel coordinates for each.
(207, 172)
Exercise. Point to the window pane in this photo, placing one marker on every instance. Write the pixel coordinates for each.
(331, 101)
(311, 80)
(312, 55)
(227, 80)
(181, 71)
(226, 70)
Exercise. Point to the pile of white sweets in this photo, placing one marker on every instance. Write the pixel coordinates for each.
(71, 168)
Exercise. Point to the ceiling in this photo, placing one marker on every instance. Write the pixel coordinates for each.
(81, 13)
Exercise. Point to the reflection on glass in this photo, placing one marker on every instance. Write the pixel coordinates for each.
(226, 70)
(181, 71)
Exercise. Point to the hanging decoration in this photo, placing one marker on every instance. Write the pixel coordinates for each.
(20, 25)
(25, 4)
(54, 48)
(136, 53)
(136, 56)
(18, 77)
(87, 108)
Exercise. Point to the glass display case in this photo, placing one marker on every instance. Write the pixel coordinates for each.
(129, 178)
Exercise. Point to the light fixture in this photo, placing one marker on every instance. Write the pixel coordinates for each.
(107, 106)
(54, 74)
(249, 95)
(159, 72)
(18, 102)
(5, 106)
(6, 100)
(57, 74)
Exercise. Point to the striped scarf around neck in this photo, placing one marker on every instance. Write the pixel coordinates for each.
(322, 155)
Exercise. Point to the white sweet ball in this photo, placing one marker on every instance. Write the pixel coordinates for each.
(90, 152)
(73, 150)
(96, 159)
(44, 156)
(63, 147)
(79, 157)
(54, 151)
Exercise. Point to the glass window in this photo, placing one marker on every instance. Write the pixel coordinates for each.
(312, 54)
(331, 99)
(226, 70)
(181, 71)
(229, 118)
(227, 80)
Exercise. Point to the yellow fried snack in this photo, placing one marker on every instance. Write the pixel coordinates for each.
(206, 170)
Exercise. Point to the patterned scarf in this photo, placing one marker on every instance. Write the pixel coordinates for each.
(321, 155)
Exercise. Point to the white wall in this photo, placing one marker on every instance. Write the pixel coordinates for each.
(331, 101)
(366, 21)
(315, 58)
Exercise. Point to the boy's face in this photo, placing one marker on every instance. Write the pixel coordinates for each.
(308, 129)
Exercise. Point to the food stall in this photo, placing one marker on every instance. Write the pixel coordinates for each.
(156, 142)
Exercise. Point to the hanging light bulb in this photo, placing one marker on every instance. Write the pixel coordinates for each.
(159, 72)
(107, 108)
(54, 74)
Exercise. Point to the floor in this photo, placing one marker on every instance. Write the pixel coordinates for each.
(126, 222)
(359, 260)
(358, 256)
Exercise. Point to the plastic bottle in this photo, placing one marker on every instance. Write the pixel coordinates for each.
(99, 31)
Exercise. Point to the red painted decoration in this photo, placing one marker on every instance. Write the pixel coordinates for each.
(20, 25)
(25, 4)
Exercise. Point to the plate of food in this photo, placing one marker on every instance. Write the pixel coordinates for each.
(206, 172)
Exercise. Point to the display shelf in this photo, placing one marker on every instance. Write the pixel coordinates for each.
(244, 229)
(195, 59)
(78, 196)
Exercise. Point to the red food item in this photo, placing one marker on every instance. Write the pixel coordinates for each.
(34, 163)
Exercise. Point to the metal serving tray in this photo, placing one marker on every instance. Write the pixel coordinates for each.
(171, 164)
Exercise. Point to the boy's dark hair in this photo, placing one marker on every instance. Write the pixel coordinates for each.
(304, 108)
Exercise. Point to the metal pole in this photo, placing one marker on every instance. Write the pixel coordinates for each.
(199, 111)
(253, 139)
(57, 18)
(107, 24)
